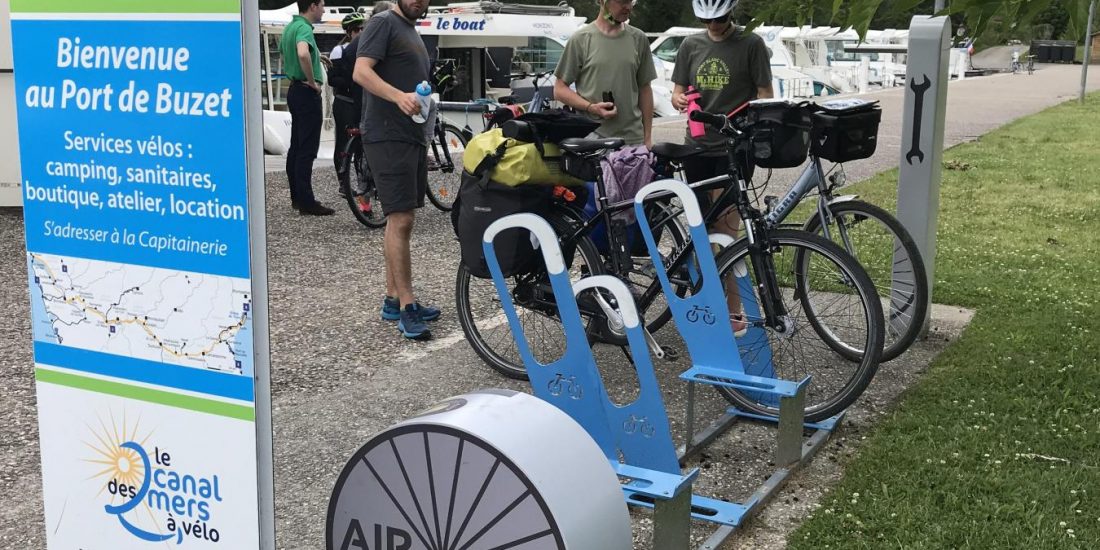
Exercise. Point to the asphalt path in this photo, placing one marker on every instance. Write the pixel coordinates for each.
(340, 373)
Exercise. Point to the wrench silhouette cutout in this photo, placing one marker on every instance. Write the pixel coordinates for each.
(918, 114)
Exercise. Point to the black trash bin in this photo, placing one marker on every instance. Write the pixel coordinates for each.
(1041, 52)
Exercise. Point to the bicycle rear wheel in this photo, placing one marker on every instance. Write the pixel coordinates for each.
(360, 193)
(487, 329)
(445, 179)
(880, 244)
(816, 277)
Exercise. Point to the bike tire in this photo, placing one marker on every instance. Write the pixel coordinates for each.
(796, 353)
(880, 243)
(360, 193)
(488, 331)
(445, 179)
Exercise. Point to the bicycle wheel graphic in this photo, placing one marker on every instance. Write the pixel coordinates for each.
(451, 485)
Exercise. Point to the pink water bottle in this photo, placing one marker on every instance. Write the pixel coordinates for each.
(697, 129)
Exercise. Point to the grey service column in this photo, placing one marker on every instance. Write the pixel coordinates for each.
(922, 135)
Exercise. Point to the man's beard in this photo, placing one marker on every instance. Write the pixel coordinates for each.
(408, 12)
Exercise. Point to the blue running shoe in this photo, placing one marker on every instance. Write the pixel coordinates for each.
(412, 324)
(391, 310)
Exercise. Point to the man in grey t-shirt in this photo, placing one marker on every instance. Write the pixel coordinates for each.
(390, 62)
(608, 55)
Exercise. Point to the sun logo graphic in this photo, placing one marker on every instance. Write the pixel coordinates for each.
(150, 499)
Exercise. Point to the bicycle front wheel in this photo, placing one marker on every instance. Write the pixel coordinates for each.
(445, 177)
(361, 195)
(815, 277)
(487, 329)
(880, 244)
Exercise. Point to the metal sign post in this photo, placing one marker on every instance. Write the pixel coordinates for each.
(922, 134)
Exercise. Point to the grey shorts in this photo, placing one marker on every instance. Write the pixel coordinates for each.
(400, 172)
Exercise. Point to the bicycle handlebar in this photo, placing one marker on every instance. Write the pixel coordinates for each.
(715, 120)
(523, 75)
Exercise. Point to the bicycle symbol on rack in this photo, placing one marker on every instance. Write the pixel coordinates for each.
(704, 312)
(641, 425)
(568, 385)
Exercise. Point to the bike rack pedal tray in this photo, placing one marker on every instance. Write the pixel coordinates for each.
(702, 320)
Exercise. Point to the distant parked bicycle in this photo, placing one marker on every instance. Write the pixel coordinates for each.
(444, 173)
(508, 108)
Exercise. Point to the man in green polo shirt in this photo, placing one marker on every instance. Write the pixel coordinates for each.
(302, 65)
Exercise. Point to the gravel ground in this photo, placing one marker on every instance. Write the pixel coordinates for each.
(340, 373)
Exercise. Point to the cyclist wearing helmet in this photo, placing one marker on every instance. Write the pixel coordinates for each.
(610, 59)
(728, 67)
(348, 102)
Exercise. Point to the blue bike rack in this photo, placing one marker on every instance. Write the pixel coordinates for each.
(719, 359)
(635, 437)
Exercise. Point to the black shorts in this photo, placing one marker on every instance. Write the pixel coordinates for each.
(707, 166)
(400, 172)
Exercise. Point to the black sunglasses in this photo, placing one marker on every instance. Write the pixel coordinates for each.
(722, 19)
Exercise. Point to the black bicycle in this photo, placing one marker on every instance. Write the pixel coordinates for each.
(444, 173)
(798, 281)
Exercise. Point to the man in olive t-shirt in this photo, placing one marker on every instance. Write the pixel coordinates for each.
(608, 55)
(302, 65)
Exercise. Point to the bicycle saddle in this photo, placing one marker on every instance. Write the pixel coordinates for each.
(676, 151)
(582, 146)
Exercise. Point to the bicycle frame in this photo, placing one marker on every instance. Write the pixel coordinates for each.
(774, 310)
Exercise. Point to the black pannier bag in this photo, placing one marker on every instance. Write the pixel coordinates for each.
(481, 202)
(780, 131)
(845, 130)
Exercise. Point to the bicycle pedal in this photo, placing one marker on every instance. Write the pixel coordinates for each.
(671, 353)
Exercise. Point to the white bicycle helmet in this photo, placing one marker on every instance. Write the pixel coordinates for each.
(712, 9)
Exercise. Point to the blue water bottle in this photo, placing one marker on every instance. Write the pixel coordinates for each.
(424, 94)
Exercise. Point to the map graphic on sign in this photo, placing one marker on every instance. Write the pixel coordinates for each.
(162, 315)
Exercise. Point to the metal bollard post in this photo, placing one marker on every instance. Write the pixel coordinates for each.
(922, 135)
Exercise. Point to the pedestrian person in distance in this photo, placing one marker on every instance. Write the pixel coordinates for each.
(392, 60)
(302, 65)
(347, 103)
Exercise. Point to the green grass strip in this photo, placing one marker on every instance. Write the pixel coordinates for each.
(998, 444)
(159, 397)
(125, 6)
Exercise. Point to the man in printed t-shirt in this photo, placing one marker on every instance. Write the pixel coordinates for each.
(728, 67)
(608, 56)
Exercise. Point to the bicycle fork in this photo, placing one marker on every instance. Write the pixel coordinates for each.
(775, 311)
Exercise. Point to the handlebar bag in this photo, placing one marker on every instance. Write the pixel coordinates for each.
(844, 134)
(779, 133)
